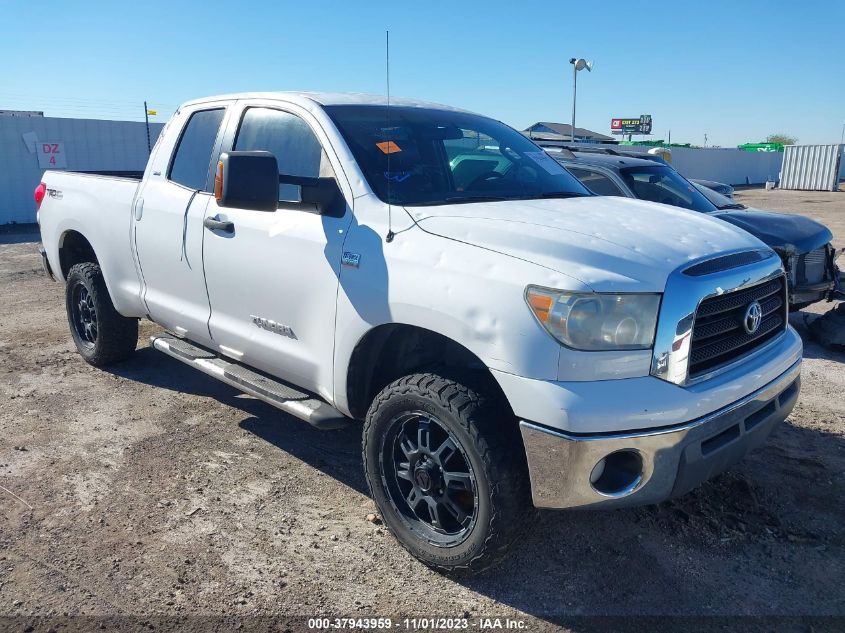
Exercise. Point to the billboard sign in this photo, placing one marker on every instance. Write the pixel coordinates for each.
(641, 125)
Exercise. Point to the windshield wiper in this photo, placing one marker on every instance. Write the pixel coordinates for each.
(460, 200)
(734, 205)
(467, 199)
(564, 194)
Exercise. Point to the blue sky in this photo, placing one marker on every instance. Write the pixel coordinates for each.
(735, 71)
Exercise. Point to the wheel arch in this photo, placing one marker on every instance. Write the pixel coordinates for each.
(74, 248)
(389, 351)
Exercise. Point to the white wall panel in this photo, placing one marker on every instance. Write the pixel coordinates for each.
(811, 167)
(89, 145)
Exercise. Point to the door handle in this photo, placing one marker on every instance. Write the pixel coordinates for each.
(219, 225)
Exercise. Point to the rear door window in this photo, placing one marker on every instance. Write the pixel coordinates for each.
(192, 160)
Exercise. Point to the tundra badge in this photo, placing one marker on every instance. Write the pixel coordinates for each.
(272, 326)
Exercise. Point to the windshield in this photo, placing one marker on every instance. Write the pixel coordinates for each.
(660, 183)
(423, 156)
(721, 202)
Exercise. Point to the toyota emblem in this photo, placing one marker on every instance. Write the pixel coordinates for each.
(753, 317)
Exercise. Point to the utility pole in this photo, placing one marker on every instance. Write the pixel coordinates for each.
(147, 119)
(577, 64)
(574, 94)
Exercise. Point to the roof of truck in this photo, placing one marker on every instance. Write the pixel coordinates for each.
(609, 160)
(326, 99)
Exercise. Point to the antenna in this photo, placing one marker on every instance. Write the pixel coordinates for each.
(390, 233)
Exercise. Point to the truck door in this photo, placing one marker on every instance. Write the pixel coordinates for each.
(168, 226)
(273, 279)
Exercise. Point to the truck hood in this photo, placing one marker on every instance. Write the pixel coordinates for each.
(607, 243)
(780, 230)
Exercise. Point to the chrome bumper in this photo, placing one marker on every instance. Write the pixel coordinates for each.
(570, 471)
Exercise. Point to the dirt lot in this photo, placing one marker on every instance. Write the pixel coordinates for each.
(154, 490)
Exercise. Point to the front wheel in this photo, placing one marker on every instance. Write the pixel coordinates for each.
(446, 469)
(101, 334)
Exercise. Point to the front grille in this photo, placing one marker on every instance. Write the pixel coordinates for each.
(812, 266)
(719, 335)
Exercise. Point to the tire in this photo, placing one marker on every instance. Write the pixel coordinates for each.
(483, 451)
(102, 335)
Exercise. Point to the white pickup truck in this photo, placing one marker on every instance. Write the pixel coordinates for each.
(506, 337)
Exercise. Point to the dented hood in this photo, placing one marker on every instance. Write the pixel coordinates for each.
(608, 243)
(780, 230)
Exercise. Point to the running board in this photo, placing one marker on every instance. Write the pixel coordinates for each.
(289, 399)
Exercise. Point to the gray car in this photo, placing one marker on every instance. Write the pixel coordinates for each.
(803, 244)
(719, 187)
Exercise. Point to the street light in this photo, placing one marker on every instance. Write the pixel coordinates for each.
(577, 64)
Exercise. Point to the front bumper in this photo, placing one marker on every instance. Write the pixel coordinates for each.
(670, 460)
(810, 293)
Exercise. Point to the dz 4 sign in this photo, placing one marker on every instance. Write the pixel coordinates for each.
(51, 155)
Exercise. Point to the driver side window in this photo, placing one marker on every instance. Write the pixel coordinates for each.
(290, 139)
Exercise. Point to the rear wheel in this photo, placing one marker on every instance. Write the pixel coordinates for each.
(101, 334)
(447, 472)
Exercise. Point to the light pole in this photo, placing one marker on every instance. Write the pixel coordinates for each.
(842, 140)
(577, 64)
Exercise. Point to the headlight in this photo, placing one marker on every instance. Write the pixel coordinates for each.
(596, 322)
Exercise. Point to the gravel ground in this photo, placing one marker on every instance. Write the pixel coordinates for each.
(152, 490)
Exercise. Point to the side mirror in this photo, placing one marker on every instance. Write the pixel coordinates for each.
(247, 180)
(324, 193)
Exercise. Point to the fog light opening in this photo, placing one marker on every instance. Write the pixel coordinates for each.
(617, 474)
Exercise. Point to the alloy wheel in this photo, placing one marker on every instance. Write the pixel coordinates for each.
(429, 480)
(84, 315)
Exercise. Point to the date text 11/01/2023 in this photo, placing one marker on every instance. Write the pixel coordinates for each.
(418, 624)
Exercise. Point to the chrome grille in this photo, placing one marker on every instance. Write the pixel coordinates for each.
(718, 334)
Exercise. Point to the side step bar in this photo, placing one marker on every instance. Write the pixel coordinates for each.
(281, 395)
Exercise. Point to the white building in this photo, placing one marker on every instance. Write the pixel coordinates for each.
(30, 143)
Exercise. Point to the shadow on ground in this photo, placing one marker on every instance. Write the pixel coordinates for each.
(336, 453)
(19, 234)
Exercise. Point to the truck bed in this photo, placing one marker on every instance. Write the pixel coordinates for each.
(97, 207)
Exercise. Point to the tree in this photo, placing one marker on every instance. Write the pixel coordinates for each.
(783, 139)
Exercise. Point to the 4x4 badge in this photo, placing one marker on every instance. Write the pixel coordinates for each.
(350, 259)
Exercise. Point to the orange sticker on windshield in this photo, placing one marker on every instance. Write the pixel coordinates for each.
(388, 147)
